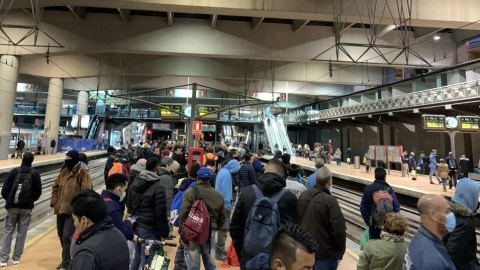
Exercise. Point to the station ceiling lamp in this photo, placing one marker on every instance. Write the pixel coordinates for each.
(436, 37)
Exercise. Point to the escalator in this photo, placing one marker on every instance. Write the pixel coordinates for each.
(282, 136)
(270, 135)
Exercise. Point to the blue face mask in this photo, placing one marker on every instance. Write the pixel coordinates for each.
(450, 222)
(124, 194)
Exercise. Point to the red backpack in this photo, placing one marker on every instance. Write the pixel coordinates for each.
(196, 227)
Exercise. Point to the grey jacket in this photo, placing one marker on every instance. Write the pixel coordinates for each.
(167, 182)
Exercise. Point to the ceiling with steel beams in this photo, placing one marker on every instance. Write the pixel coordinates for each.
(314, 48)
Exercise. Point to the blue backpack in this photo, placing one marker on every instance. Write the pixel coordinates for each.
(176, 205)
(263, 223)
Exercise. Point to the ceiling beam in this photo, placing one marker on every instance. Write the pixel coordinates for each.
(297, 25)
(213, 22)
(170, 18)
(124, 14)
(461, 34)
(421, 32)
(78, 12)
(256, 21)
(28, 11)
(385, 29)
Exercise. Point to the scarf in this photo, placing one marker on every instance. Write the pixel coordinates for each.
(391, 237)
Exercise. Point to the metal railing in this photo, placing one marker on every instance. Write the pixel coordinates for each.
(451, 94)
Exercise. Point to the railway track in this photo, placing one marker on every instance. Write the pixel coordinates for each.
(349, 201)
(42, 207)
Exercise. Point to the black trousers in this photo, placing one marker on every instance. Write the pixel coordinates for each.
(65, 230)
(453, 178)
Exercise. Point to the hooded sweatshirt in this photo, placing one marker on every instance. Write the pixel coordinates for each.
(223, 183)
(461, 243)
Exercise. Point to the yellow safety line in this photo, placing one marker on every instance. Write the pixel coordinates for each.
(353, 254)
(39, 236)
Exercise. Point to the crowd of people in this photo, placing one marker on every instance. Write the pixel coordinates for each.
(276, 217)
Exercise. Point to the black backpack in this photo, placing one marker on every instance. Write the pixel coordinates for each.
(21, 192)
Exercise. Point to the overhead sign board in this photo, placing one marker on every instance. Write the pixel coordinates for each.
(206, 109)
(434, 122)
(468, 123)
(170, 110)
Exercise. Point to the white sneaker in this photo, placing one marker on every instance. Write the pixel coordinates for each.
(3, 264)
(16, 262)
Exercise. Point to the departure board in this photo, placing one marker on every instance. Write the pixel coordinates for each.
(164, 113)
(205, 109)
(434, 122)
(468, 123)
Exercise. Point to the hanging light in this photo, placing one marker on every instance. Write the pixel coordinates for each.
(436, 37)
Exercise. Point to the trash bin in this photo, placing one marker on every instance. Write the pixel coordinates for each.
(356, 162)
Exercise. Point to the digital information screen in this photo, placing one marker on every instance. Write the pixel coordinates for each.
(468, 123)
(164, 113)
(434, 122)
(205, 109)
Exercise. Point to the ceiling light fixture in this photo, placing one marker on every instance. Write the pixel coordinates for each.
(436, 37)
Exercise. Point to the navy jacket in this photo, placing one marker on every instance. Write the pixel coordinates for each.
(115, 210)
(246, 175)
(108, 166)
(366, 205)
(426, 251)
(257, 166)
(36, 188)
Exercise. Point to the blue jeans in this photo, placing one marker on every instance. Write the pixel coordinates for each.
(444, 183)
(140, 259)
(325, 264)
(374, 232)
(434, 172)
(193, 252)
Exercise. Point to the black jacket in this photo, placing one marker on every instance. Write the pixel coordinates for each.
(462, 242)
(100, 247)
(464, 166)
(454, 164)
(108, 166)
(147, 200)
(322, 217)
(246, 175)
(180, 158)
(36, 187)
(269, 184)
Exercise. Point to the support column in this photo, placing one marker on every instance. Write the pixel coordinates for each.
(193, 115)
(82, 103)
(8, 86)
(52, 116)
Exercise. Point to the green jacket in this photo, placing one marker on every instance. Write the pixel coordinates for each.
(381, 254)
(212, 198)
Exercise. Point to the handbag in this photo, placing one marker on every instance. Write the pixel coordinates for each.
(364, 160)
(364, 239)
(160, 260)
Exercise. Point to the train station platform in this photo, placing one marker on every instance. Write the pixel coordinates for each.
(43, 160)
(401, 185)
(43, 251)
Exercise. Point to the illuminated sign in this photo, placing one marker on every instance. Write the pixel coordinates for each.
(434, 122)
(468, 123)
(170, 110)
(206, 109)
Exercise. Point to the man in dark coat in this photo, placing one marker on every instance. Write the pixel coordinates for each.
(321, 216)
(18, 214)
(246, 174)
(110, 160)
(367, 204)
(270, 183)
(453, 166)
(100, 245)
(147, 200)
(20, 147)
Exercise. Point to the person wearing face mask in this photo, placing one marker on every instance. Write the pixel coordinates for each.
(462, 241)
(114, 196)
(71, 180)
(321, 216)
(426, 250)
(100, 245)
